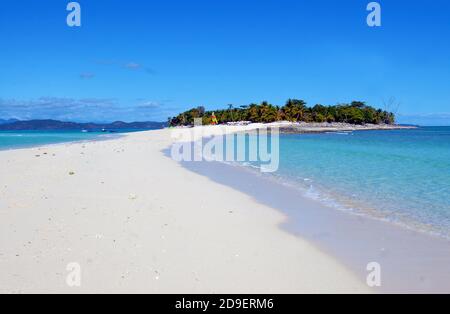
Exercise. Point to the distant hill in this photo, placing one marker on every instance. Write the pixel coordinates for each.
(2, 121)
(50, 125)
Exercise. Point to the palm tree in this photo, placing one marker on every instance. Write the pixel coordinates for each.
(297, 109)
(253, 113)
(287, 110)
(268, 112)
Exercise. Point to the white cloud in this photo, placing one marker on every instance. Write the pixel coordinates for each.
(87, 75)
(82, 110)
(436, 118)
(133, 66)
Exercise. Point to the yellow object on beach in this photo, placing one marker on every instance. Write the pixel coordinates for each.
(214, 119)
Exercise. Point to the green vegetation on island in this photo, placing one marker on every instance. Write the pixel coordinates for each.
(294, 110)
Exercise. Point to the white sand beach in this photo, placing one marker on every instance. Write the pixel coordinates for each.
(224, 148)
(138, 222)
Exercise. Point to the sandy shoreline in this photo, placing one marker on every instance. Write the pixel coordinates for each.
(137, 221)
(411, 261)
(303, 127)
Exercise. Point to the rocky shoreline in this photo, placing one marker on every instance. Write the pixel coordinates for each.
(305, 127)
(337, 127)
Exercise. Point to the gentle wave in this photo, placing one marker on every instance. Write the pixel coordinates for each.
(401, 177)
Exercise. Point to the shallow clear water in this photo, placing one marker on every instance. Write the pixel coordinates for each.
(402, 175)
(19, 139)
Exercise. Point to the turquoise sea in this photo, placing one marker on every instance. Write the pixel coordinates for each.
(21, 139)
(402, 176)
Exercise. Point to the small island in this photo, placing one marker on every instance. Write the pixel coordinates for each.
(295, 111)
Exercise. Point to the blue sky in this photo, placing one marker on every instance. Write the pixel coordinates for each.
(147, 60)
